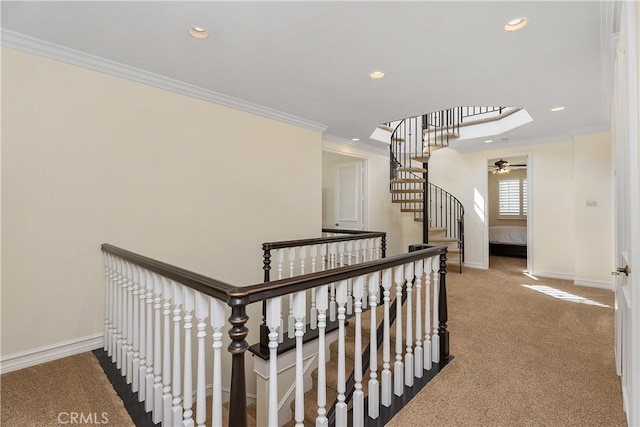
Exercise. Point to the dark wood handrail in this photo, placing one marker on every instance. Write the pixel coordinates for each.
(207, 285)
(320, 240)
(263, 291)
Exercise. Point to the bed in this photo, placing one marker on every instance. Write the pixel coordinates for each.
(508, 240)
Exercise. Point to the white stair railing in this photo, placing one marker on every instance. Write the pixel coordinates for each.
(158, 317)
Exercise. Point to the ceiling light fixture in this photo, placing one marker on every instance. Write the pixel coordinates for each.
(502, 167)
(198, 32)
(559, 108)
(488, 141)
(377, 75)
(355, 139)
(516, 24)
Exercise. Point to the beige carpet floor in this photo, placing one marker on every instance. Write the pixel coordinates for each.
(522, 357)
(72, 391)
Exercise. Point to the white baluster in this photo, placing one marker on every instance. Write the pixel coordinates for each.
(158, 287)
(113, 280)
(299, 310)
(419, 357)
(147, 374)
(323, 257)
(357, 248)
(350, 282)
(365, 251)
(303, 256)
(365, 295)
(386, 341)
(202, 312)
(398, 366)
(291, 318)
(217, 322)
(280, 257)
(166, 351)
(322, 303)
(274, 309)
(314, 309)
(435, 341)
(333, 251)
(139, 374)
(358, 394)
(341, 254)
(187, 399)
(119, 308)
(341, 406)
(427, 314)
(374, 390)
(372, 249)
(135, 326)
(129, 322)
(409, 365)
(176, 387)
(332, 302)
(122, 316)
(107, 302)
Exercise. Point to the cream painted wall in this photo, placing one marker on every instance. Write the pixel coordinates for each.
(493, 198)
(557, 252)
(594, 224)
(89, 158)
(383, 215)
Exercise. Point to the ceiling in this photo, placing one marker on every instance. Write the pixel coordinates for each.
(313, 59)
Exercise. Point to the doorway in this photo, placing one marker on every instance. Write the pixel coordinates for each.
(508, 215)
(344, 192)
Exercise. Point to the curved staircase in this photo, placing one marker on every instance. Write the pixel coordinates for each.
(412, 142)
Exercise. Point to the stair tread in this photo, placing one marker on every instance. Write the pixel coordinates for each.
(438, 134)
(410, 210)
(407, 201)
(422, 159)
(443, 239)
(412, 169)
(406, 180)
(408, 190)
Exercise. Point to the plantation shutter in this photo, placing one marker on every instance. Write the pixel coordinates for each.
(509, 197)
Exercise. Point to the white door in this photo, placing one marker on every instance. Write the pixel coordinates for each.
(349, 196)
(627, 232)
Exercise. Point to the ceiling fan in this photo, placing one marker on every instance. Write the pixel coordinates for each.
(503, 166)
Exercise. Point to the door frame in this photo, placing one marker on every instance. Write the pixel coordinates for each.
(366, 185)
(529, 156)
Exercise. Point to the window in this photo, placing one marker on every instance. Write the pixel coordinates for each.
(512, 198)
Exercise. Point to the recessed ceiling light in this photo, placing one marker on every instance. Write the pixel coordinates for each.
(559, 108)
(488, 141)
(377, 75)
(516, 24)
(198, 32)
(355, 139)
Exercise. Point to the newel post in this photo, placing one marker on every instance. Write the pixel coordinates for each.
(237, 348)
(383, 246)
(264, 330)
(442, 309)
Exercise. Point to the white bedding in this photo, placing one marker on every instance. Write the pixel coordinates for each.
(508, 235)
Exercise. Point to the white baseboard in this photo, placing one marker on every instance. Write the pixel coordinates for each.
(553, 275)
(477, 265)
(593, 283)
(24, 359)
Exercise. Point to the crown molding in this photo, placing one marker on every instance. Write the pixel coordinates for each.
(356, 144)
(35, 46)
